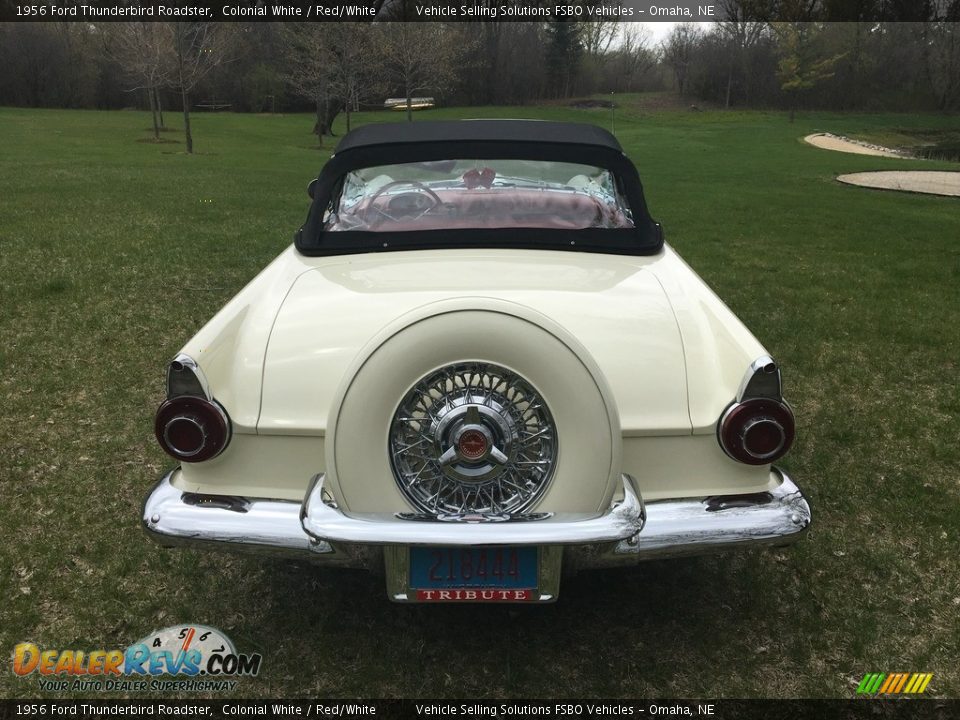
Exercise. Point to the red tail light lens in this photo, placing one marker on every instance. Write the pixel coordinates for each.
(757, 431)
(192, 429)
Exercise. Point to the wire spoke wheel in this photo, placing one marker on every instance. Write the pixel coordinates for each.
(473, 438)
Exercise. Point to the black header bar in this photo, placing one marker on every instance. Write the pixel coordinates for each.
(454, 11)
(567, 709)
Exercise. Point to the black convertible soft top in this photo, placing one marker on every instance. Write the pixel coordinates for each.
(396, 143)
(493, 131)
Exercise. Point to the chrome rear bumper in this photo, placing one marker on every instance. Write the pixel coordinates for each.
(325, 522)
(625, 534)
(696, 526)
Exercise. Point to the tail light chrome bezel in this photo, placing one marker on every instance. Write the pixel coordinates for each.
(741, 417)
(759, 404)
(189, 400)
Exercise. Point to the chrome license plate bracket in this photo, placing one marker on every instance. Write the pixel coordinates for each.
(405, 581)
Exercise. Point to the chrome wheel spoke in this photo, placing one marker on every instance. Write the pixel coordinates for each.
(449, 456)
(498, 456)
(473, 437)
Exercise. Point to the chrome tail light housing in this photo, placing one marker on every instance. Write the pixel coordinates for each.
(758, 427)
(190, 425)
(757, 431)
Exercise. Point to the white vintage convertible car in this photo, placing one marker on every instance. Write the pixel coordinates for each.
(478, 368)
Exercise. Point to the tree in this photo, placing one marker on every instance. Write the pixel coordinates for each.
(741, 28)
(943, 58)
(486, 87)
(502, 49)
(564, 51)
(49, 64)
(141, 50)
(195, 50)
(678, 49)
(254, 81)
(333, 65)
(635, 54)
(308, 58)
(352, 76)
(596, 35)
(901, 55)
(419, 57)
(800, 67)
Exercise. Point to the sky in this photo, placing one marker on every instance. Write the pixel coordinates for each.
(659, 30)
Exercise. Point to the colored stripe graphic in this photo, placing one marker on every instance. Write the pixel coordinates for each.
(901, 683)
(894, 683)
(870, 683)
(886, 685)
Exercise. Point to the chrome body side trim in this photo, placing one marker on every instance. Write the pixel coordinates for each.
(623, 520)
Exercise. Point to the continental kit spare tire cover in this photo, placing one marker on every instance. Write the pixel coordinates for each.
(474, 406)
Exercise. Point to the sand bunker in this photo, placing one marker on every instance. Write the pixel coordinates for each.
(921, 181)
(842, 144)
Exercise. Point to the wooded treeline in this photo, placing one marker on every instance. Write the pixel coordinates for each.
(909, 62)
(332, 68)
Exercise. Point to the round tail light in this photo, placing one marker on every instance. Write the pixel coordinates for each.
(192, 429)
(757, 431)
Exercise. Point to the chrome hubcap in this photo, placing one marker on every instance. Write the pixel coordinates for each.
(473, 437)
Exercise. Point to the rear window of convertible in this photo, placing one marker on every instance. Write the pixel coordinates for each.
(477, 194)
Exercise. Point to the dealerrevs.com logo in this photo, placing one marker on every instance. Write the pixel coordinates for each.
(181, 657)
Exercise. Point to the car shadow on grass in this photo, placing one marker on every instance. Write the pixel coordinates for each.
(659, 629)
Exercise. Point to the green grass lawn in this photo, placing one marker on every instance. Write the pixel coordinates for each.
(114, 251)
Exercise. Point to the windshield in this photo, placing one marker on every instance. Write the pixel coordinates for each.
(478, 194)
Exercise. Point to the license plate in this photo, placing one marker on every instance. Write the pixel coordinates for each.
(491, 574)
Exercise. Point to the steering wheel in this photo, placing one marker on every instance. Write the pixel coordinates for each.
(416, 184)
